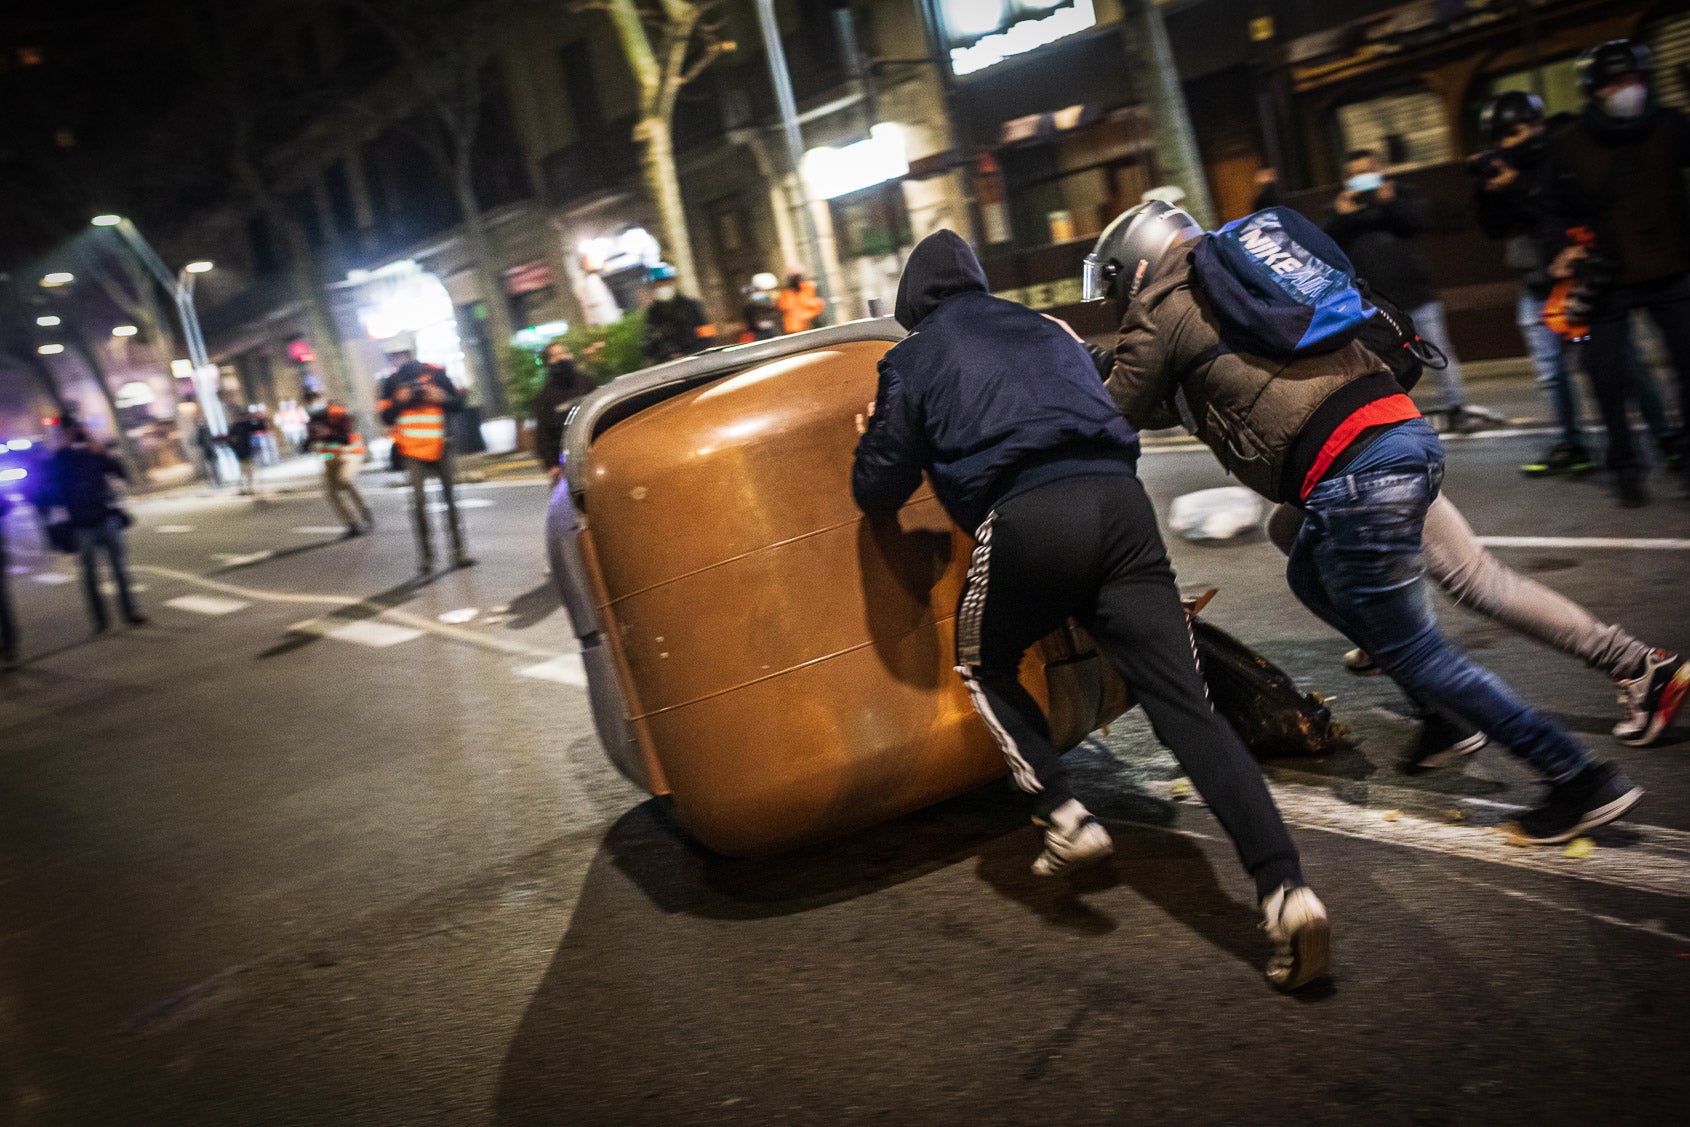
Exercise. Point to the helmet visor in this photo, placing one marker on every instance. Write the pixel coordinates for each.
(1094, 279)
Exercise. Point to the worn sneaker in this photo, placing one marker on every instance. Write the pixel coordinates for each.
(1594, 797)
(1295, 919)
(1652, 698)
(1464, 420)
(1086, 844)
(1569, 458)
(1442, 741)
(1360, 662)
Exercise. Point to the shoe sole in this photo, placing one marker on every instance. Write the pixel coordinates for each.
(1453, 752)
(1311, 947)
(1600, 816)
(1672, 699)
(1065, 865)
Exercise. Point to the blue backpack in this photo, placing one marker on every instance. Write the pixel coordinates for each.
(1279, 286)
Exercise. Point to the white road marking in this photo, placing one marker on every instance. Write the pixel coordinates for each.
(566, 670)
(362, 632)
(207, 604)
(475, 638)
(231, 559)
(464, 614)
(52, 578)
(109, 588)
(1655, 863)
(1648, 927)
(173, 528)
(20, 569)
(465, 503)
(319, 530)
(1629, 543)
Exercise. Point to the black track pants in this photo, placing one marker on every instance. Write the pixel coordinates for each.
(1087, 548)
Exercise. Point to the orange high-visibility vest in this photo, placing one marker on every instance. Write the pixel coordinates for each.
(799, 307)
(420, 433)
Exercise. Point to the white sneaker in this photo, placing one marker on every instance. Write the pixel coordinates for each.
(1085, 844)
(1295, 919)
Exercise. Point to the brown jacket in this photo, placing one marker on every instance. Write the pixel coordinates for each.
(1263, 418)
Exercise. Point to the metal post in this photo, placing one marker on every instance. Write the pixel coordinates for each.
(181, 289)
(1173, 122)
(794, 140)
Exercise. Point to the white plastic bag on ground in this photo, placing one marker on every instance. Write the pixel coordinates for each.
(1215, 514)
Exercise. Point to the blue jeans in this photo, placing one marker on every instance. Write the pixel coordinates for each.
(107, 537)
(1549, 358)
(1358, 565)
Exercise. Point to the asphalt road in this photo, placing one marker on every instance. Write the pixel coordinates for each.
(323, 844)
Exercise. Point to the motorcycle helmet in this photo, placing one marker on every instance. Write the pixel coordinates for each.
(1121, 262)
(1507, 111)
(1607, 62)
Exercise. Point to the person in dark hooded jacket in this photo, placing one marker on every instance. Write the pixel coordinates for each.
(566, 385)
(1003, 408)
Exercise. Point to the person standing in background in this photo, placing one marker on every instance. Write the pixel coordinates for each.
(329, 433)
(565, 386)
(1377, 221)
(81, 474)
(415, 400)
(799, 303)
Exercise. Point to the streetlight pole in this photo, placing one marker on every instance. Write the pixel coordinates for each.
(794, 140)
(181, 288)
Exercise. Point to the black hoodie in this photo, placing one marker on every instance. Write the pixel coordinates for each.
(988, 396)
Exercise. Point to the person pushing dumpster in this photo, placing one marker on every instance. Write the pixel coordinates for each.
(1003, 408)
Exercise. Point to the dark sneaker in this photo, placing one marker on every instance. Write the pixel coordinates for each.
(1443, 741)
(1360, 662)
(1087, 844)
(1461, 420)
(352, 532)
(1633, 490)
(1594, 797)
(1295, 919)
(1564, 458)
(461, 560)
(137, 619)
(1653, 698)
(1671, 448)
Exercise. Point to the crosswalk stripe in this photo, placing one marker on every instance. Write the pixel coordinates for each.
(51, 578)
(206, 604)
(566, 670)
(374, 634)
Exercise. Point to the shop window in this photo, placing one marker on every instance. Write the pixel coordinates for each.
(1556, 82)
(871, 223)
(1669, 41)
(1407, 130)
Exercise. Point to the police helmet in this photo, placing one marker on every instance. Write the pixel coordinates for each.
(1608, 62)
(1127, 252)
(1507, 111)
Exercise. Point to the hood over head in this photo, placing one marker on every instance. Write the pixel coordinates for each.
(941, 266)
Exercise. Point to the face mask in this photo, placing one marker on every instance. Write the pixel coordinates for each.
(561, 367)
(663, 293)
(1365, 181)
(1627, 102)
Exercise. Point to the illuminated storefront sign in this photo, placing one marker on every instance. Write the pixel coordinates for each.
(983, 33)
(403, 298)
(837, 172)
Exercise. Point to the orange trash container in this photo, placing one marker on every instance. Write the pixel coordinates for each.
(776, 663)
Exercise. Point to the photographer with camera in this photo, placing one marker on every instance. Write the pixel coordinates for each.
(1378, 221)
(1508, 194)
(1618, 171)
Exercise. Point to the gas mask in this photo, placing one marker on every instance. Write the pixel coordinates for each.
(1626, 103)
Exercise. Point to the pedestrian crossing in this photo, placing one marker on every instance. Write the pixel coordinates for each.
(376, 635)
(207, 604)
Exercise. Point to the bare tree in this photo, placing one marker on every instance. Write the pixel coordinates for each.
(667, 44)
(445, 52)
(231, 49)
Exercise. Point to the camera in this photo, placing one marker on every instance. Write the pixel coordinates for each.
(1486, 165)
(1593, 276)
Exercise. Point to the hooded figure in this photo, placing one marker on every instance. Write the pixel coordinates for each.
(980, 386)
(1003, 408)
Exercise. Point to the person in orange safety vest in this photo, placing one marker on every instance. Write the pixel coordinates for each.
(416, 400)
(799, 305)
(331, 434)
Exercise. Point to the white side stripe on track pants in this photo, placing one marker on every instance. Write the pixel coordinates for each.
(969, 616)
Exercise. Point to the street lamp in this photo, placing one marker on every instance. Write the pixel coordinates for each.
(56, 279)
(181, 287)
(50, 349)
(47, 321)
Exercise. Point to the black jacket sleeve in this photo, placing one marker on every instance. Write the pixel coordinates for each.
(384, 399)
(893, 450)
(1501, 211)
